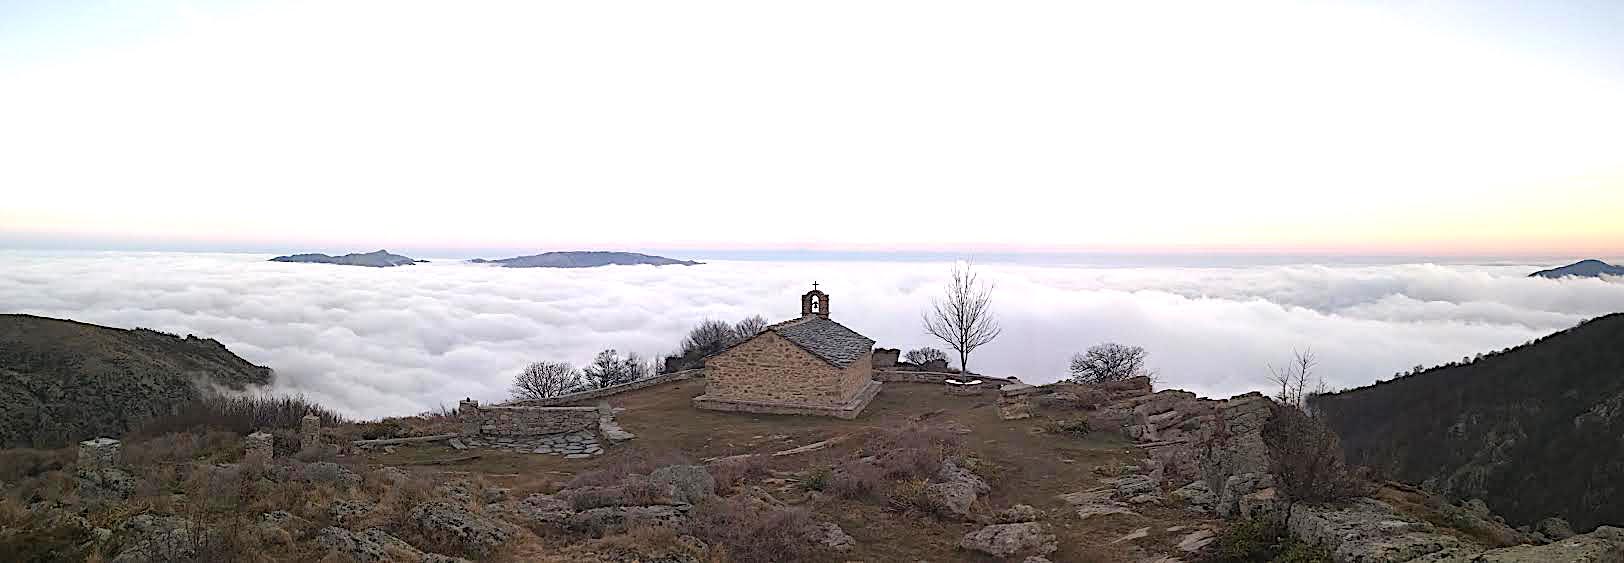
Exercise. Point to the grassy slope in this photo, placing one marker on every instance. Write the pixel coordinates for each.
(1032, 467)
(62, 380)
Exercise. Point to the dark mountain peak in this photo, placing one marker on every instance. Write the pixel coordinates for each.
(584, 259)
(1590, 268)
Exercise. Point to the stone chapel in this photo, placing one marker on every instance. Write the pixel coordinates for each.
(809, 365)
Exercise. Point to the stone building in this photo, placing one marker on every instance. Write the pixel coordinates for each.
(809, 365)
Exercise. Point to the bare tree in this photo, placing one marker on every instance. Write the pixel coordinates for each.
(963, 317)
(748, 327)
(635, 368)
(1109, 362)
(918, 356)
(708, 337)
(1296, 378)
(541, 380)
(607, 369)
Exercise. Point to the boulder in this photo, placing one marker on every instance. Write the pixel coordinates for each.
(1237, 486)
(1366, 530)
(1195, 496)
(153, 538)
(1554, 528)
(346, 511)
(1005, 540)
(1196, 540)
(371, 545)
(1133, 485)
(955, 489)
(1017, 513)
(1604, 545)
(328, 473)
(613, 519)
(456, 525)
(689, 483)
(831, 536)
(1090, 504)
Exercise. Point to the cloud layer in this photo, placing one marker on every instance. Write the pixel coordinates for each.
(376, 342)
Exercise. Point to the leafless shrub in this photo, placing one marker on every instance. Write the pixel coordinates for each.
(729, 473)
(633, 492)
(1306, 457)
(1297, 380)
(242, 414)
(918, 356)
(633, 461)
(1108, 362)
(748, 532)
(855, 479)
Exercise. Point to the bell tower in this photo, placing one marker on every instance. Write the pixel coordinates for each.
(815, 303)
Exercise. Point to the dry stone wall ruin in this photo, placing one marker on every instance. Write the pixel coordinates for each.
(501, 420)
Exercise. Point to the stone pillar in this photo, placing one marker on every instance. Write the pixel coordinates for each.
(96, 455)
(468, 413)
(258, 446)
(309, 432)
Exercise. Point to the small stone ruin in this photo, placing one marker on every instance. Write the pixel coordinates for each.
(309, 432)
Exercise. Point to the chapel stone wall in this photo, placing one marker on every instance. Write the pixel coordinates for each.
(770, 368)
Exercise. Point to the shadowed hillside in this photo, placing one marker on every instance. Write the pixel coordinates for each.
(63, 380)
(1535, 431)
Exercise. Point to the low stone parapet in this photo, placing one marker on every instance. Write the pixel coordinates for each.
(608, 391)
(533, 421)
(908, 376)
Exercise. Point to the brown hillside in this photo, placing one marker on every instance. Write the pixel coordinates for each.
(63, 380)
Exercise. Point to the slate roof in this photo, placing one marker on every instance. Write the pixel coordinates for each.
(826, 339)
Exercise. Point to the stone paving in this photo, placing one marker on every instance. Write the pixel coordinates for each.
(571, 445)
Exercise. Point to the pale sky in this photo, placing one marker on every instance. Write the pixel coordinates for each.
(1449, 127)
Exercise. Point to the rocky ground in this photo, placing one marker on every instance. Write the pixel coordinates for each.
(1056, 473)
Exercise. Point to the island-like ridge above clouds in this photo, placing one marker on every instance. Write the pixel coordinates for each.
(587, 259)
(374, 259)
(1583, 269)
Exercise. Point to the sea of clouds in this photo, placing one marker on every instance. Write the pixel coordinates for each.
(390, 341)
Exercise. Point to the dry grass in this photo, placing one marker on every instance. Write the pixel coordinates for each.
(243, 414)
(748, 532)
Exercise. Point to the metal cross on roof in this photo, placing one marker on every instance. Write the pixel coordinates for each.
(814, 286)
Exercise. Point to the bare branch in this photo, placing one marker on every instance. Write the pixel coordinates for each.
(963, 318)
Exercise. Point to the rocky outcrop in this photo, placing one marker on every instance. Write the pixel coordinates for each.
(832, 537)
(456, 525)
(374, 544)
(688, 483)
(1369, 531)
(955, 489)
(1604, 545)
(1005, 540)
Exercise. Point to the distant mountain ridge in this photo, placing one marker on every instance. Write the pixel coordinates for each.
(584, 259)
(62, 381)
(374, 259)
(1535, 431)
(1582, 268)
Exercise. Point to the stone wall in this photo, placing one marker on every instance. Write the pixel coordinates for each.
(886, 358)
(611, 390)
(524, 421)
(908, 376)
(771, 369)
